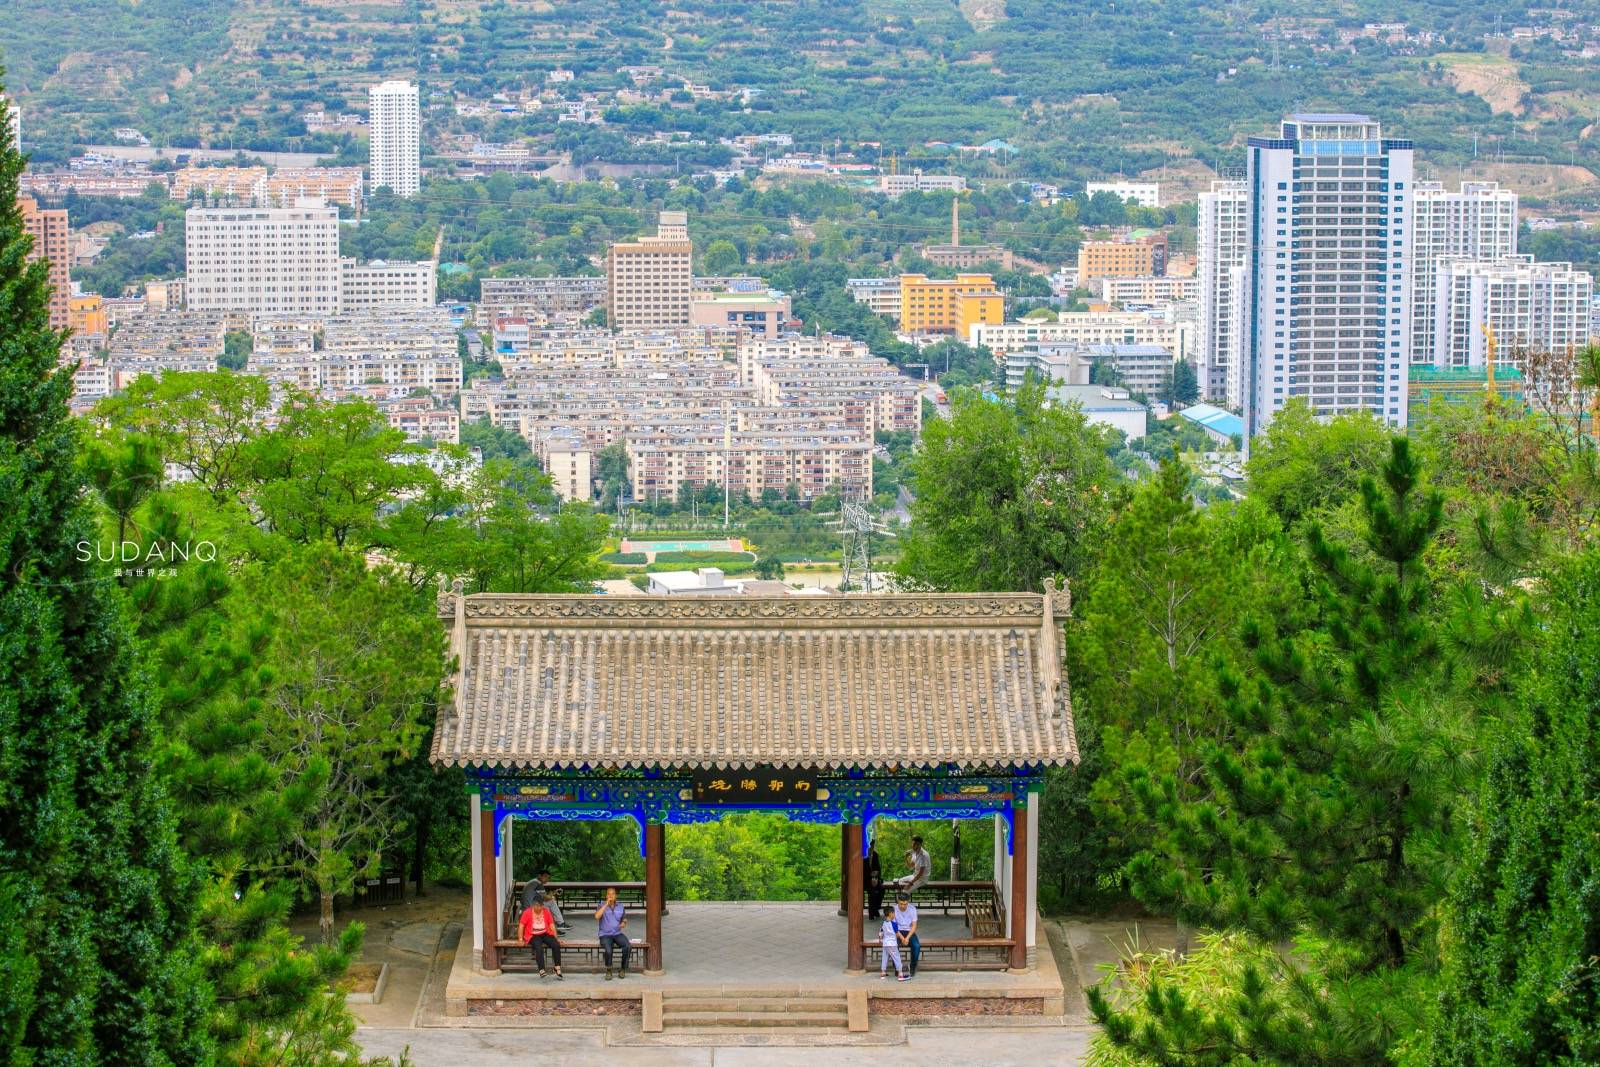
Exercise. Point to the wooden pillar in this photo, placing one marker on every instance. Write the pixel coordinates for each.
(856, 958)
(844, 869)
(491, 893)
(1018, 907)
(655, 880)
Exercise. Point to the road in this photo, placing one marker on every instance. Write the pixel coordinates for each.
(931, 393)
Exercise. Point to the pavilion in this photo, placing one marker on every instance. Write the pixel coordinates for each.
(835, 710)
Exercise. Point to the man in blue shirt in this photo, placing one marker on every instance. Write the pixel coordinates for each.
(905, 921)
(612, 918)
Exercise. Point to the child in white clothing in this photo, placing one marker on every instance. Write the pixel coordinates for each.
(889, 938)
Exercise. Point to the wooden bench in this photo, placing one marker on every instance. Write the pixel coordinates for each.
(945, 897)
(576, 898)
(954, 954)
(983, 915)
(576, 955)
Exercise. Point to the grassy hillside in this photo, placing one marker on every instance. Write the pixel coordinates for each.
(1081, 86)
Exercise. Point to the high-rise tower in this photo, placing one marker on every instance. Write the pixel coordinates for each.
(1327, 271)
(393, 146)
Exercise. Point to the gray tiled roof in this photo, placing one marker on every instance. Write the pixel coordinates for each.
(844, 681)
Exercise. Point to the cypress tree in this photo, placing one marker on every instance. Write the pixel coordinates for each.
(97, 961)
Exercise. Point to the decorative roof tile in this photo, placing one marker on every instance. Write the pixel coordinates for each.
(849, 681)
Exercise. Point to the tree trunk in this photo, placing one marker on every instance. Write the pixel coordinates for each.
(420, 846)
(326, 922)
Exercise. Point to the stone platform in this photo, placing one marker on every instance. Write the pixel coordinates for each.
(744, 951)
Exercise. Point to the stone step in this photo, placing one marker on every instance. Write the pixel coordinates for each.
(752, 1019)
(671, 1004)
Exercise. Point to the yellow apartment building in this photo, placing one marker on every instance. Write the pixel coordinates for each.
(1119, 259)
(938, 305)
(87, 314)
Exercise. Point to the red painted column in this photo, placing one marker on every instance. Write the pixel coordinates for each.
(1019, 885)
(856, 958)
(844, 869)
(655, 881)
(491, 894)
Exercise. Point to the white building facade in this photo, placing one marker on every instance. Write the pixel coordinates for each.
(387, 284)
(1219, 248)
(394, 138)
(1477, 221)
(1328, 269)
(1145, 194)
(263, 260)
(1541, 306)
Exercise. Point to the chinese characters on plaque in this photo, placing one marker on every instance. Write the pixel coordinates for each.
(755, 785)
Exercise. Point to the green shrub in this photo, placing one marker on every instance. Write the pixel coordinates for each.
(704, 559)
(730, 569)
(634, 558)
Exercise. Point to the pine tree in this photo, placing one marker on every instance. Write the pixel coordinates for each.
(98, 961)
(1522, 986)
(276, 999)
(1330, 817)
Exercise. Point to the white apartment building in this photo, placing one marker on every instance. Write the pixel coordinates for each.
(648, 280)
(1140, 368)
(1542, 306)
(1477, 221)
(1236, 380)
(394, 145)
(266, 260)
(881, 295)
(1328, 275)
(1145, 194)
(385, 284)
(337, 185)
(1090, 328)
(917, 182)
(1149, 291)
(554, 299)
(1219, 248)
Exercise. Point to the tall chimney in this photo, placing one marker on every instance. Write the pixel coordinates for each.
(955, 220)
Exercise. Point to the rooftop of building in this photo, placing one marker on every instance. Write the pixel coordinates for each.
(616, 682)
(1214, 419)
(1328, 117)
(1100, 398)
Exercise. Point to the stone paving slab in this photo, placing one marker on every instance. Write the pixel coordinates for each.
(987, 1047)
(627, 1033)
(792, 949)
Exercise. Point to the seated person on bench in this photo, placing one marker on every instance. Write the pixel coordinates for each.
(538, 928)
(921, 865)
(550, 895)
(613, 936)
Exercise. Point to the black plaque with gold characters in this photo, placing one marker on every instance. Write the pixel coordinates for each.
(755, 786)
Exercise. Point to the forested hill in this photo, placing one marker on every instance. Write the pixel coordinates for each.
(1076, 85)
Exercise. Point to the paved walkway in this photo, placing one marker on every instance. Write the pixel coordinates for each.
(971, 1047)
(731, 947)
(418, 940)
